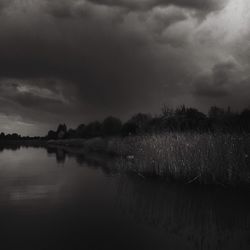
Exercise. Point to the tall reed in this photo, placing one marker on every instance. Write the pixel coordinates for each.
(205, 158)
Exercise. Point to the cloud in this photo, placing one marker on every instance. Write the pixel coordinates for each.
(226, 85)
(206, 88)
(216, 83)
(104, 66)
(77, 61)
(67, 9)
(206, 5)
(28, 96)
(5, 3)
(60, 9)
(121, 8)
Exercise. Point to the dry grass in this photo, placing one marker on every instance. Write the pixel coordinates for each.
(205, 158)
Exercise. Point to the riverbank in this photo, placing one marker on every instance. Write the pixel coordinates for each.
(217, 159)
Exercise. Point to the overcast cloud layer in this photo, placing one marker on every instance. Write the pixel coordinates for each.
(75, 61)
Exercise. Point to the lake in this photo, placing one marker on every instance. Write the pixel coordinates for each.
(50, 199)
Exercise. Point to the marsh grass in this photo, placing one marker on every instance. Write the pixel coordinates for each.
(222, 159)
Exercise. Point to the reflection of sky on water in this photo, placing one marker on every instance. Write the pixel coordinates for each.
(32, 192)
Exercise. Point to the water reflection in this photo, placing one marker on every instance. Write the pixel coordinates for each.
(9, 147)
(109, 165)
(59, 153)
(88, 204)
(204, 218)
(31, 192)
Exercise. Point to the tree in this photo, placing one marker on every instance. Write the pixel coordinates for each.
(52, 135)
(195, 120)
(128, 128)
(81, 131)
(61, 131)
(72, 133)
(183, 118)
(111, 126)
(245, 120)
(93, 129)
(167, 112)
(215, 113)
(2, 136)
(141, 121)
(223, 120)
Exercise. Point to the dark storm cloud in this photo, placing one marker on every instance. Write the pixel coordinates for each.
(37, 106)
(27, 96)
(5, 3)
(102, 65)
(76, 61)
(164, 20)
(206, 88)
(61, 9)
(83, 8)
(35, 101)
(216, 84)
(66, 8)
(227, 85)
(205, 5)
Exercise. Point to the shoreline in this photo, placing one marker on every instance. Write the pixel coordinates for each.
(204, 159)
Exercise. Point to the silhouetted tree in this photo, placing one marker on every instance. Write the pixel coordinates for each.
(93, 129)
(141, 122)
(61, 131)
(181, 119)
(195, 120)
(167, 112)
(52, 135)
(216, 113)
(245, 120)
(111, 126)
(72, 134)
(129, 128)
(81, 131)
(223, 120)
(2, 136)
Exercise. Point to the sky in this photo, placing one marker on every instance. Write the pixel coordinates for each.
(75, 61)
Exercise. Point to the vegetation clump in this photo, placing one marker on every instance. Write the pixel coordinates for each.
(207, 158)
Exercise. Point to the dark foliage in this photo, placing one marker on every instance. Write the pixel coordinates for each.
(15, 137)
(61, 131)
(181, 119)
(93, 129)
(111, 126)
(129, 128)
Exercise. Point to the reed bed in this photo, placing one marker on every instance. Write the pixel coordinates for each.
(222, 159)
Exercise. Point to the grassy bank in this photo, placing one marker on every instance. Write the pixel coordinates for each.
(222, 159)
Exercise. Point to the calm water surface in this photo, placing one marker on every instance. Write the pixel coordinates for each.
(51, 200)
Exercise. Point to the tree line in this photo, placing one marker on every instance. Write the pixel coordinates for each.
(17, 137)
(181, 119)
